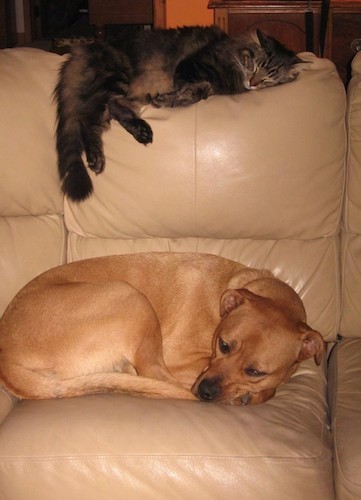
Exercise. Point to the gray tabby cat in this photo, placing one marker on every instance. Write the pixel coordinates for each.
(175, 67)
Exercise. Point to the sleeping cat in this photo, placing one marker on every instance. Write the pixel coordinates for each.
(175, 67)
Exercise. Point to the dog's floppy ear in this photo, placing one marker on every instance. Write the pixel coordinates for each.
(313, 345)
(231, 299)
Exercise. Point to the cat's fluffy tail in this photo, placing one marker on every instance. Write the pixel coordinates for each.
(77, 184)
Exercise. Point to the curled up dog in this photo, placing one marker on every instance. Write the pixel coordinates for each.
(161, 325)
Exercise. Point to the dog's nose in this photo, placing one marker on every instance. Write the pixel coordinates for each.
(208, 390)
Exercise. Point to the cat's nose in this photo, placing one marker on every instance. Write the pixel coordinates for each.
(255, 81)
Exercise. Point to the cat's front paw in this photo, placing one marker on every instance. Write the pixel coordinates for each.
(140, 130)
(96, 162)
(163, 100)
(191, 93)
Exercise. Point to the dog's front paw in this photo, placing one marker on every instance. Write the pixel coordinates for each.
(260, 397)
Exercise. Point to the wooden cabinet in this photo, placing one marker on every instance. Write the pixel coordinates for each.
(102, 12)
(296, 24)
(286, 20)
(344, 35)
(7, 24)
(3, 30)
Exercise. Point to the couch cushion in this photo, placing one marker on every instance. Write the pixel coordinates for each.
(29, 246)
(351, 238)
(27, 124)
(32, 232)
(246, 166)
(7, 402)
(345, 406)
(122, 447)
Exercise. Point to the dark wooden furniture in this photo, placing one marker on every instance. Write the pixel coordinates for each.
(344, 36)
(283, 19)
(3, 30)
(147, 12)
(7, 24)
(286, 20)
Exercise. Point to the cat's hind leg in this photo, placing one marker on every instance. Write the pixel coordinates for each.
(80, 108)
(87, 79)
(92, 130)
(78, 136)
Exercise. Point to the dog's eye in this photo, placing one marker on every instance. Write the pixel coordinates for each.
(224, 347)
(252, 372)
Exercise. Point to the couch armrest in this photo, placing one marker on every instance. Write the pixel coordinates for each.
(7, 402)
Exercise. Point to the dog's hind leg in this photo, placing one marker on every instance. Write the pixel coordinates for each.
(73, 339)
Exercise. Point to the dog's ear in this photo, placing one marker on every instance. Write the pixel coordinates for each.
(313, 345)
(231, 299)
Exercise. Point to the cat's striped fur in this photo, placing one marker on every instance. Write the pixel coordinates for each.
(174, 67)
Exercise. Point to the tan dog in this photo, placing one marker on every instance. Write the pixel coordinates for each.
(160, 325)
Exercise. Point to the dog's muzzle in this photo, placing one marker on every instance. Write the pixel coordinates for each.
(209, 389)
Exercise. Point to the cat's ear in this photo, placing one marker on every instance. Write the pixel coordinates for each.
(265, 41)
(246, 58)
(297, 60)
(270, 44)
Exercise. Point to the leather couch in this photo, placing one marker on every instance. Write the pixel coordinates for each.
(271, 179)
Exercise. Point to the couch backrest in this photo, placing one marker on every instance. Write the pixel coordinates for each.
(32, 233)
(257, 178)
(351, 235)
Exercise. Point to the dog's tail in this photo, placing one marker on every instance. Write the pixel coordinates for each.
(36, 386)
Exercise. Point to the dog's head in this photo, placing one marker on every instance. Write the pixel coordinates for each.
(256, 347)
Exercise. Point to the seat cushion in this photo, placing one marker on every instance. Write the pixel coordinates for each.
(345, 406)
(118, 447)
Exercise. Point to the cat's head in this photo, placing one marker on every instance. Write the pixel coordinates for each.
(267, 62)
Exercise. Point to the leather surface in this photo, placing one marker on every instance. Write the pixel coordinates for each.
(7, 402)
(351, 238)
(124, 447)
(29, 246)
(29, 183)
